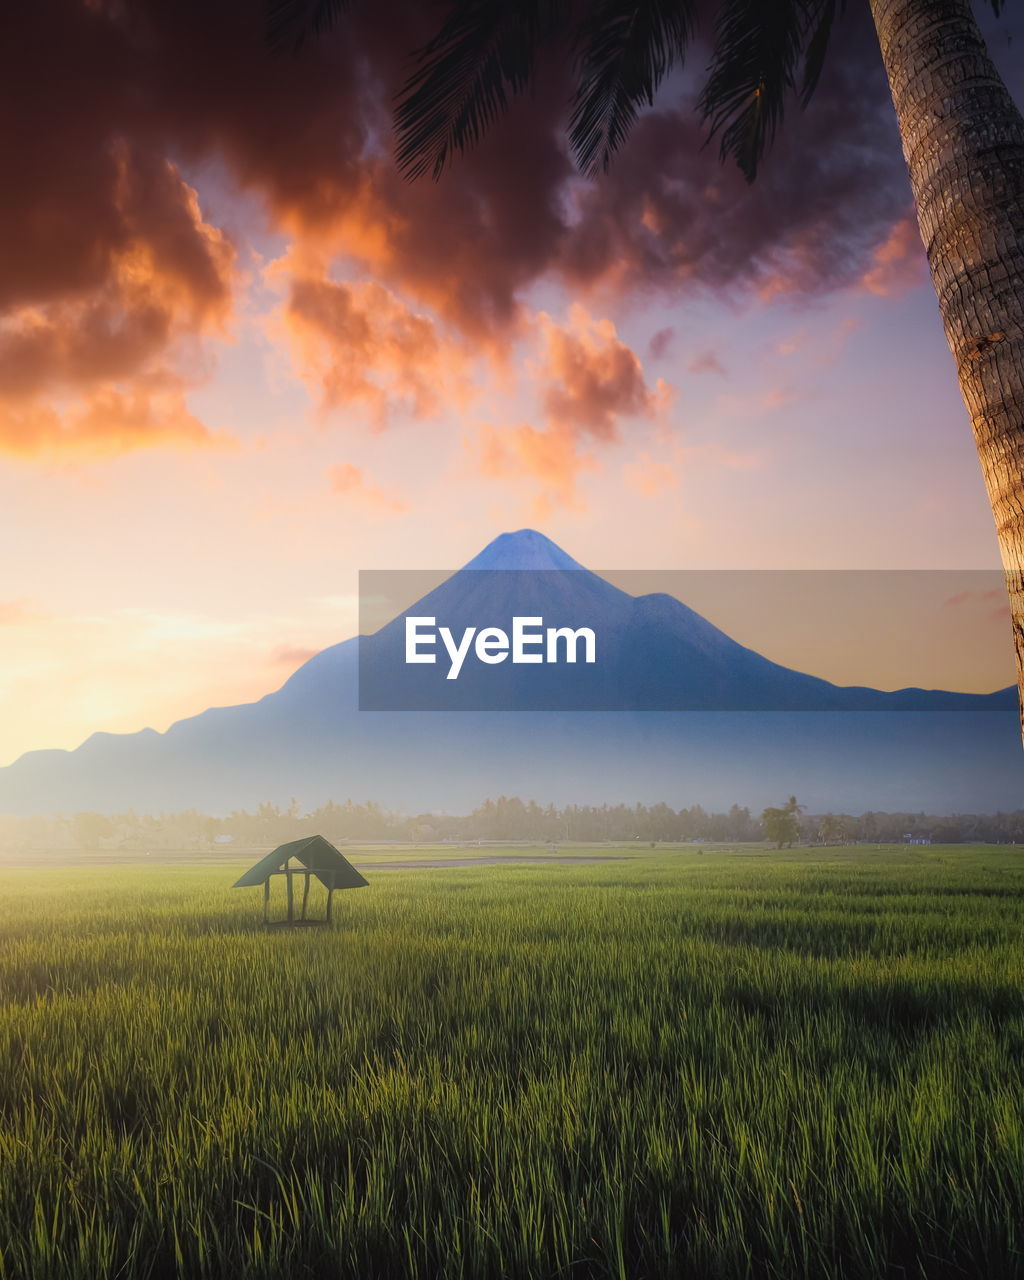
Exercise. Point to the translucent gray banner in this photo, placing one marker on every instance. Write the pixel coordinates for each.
(684, 640)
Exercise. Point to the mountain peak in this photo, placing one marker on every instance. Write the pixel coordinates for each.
(523, 549)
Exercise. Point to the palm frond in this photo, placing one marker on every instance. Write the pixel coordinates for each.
(758, 49)
(623, 53)
(821, 16)
(482, 56)
(289, 22)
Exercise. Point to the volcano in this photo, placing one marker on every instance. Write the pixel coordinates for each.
(674, 710)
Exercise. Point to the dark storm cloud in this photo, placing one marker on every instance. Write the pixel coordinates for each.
(107, 263)
(829, 192)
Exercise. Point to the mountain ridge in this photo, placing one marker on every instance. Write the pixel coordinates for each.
(307, 738)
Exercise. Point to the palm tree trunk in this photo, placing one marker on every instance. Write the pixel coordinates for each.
(963, 141)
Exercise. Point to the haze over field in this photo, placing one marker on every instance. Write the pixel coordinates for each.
(843, 749)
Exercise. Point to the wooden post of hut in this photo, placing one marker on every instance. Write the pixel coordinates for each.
(315, 857)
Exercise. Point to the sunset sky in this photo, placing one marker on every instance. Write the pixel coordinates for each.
(241, 358)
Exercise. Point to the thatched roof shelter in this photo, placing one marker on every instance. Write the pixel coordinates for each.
(314, 856)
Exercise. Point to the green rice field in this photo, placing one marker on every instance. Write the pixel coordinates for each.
(694, 1063)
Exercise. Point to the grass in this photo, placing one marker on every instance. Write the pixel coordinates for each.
(707, 1064)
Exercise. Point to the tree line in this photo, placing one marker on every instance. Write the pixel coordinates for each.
(504, 818)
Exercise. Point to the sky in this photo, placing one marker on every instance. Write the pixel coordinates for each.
(241, 358)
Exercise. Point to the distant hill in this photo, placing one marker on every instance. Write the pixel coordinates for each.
(755, 730)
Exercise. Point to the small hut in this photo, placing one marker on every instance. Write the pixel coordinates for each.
(313, 856)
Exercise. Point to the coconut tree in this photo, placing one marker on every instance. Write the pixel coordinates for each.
(962, 135)
(783, 824)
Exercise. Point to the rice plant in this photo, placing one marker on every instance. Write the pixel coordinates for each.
(708, 1064)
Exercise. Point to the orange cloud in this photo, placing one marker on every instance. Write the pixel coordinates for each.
(107, 269)
(309, 136)
(651, 478)
(898, 263)
(790, 267)
(895, 263)
(95, 370)
(351, 482)
(589, 382)
(105, 423)
(358, 342)
(592, 379)
(547, 459)
(512, 211)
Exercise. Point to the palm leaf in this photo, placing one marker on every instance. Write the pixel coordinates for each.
(821, 17)
(482, 56)
(289, 22)
(623, 53)
(758, 49)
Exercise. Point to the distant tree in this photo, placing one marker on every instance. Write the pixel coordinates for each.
(832, 829)
(91, 828)
(696, 823)
(783, 825)
(741, 825)
(505, 818)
